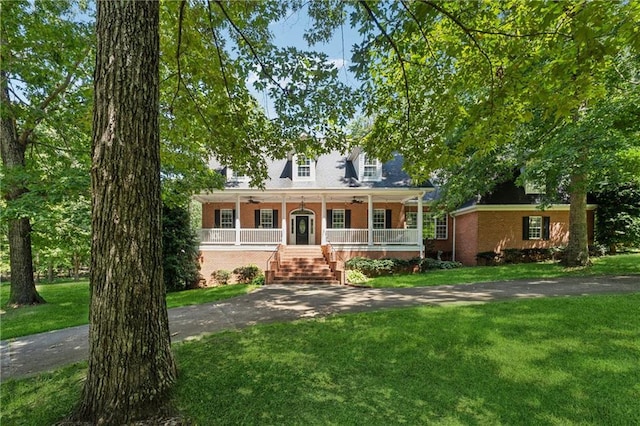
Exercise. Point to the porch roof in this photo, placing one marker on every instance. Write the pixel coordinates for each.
(314, 195)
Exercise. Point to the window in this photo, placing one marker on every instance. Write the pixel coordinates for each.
(441, 228)
(379, 219)
(266, 218)
(234, 176)
(371, 168)
(535, 227)
(304, 167)
(337, 219)
(533, 188)
(435, 227)
(411, 220)
(226, 218)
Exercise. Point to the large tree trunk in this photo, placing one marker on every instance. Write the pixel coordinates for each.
(577, 253)
(23, 287)
(131, 368)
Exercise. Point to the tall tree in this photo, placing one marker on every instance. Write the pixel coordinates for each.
(37, 78)
(451, 84)
(131, 367)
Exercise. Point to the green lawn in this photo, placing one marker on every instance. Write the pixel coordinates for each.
(557, 361)
(68, 305)
(68, 301)
(624, 264)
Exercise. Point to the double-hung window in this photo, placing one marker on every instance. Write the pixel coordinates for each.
(304, 167)
(266, 218)
(226, 218)
(379, 216)
(338, 219)
(535, 227)
(411, 220)
(371, 168)
(435, 227)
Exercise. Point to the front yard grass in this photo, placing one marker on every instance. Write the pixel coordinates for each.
(623, 264)
(68, 305)
(68, 301)
(527, 362)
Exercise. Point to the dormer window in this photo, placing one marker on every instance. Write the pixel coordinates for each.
(234, 176)
(371, 168)
(533, 188)
(304, 168)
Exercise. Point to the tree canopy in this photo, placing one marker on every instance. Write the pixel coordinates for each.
(468, 90)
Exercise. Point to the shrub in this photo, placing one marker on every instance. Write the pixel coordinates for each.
(221, 277)
(259, 280)
(488, 258)
(246, 274)
(598, 250)
(428, 263)
(179, 250)
(372, 267)
(356, 277)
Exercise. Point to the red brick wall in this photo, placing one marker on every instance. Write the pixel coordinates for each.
(211, 261)
(382, 254)
(498, 230)
(467, 238)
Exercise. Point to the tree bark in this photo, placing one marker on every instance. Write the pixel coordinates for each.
(131, 367)
(577, 252)
(23, 288)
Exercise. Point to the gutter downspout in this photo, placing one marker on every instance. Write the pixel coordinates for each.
(453, 252)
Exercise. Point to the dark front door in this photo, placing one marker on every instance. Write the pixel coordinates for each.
(302, 230)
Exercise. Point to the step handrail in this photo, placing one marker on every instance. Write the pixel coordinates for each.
(331, 255)
(268, 271)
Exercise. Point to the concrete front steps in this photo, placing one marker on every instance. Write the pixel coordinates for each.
(302, 265)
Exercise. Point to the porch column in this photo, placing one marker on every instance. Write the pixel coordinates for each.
(237, 224)
(370, 220)
(283, 221)
(420, 225)
(323, 222)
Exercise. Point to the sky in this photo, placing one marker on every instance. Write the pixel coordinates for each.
(289, 32)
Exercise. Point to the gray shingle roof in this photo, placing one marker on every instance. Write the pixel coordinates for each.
(333, 171)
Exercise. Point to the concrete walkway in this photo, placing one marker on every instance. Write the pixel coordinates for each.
(277, 303)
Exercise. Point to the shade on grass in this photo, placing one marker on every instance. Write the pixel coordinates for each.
(68, 305)
(607, 265)
(551, 361)
(545, 361)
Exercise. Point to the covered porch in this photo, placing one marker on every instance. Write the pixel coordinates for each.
(344, 218)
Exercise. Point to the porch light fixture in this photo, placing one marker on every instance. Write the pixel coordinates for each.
(302, 204)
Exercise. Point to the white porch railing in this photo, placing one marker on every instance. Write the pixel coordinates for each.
(334, 236)
(261, 236)
(347, 236)
(247, 236)
(218, 236)
(380, 236)
(395, 236)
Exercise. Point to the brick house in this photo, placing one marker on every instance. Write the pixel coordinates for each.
(510, 217)
(325, 210)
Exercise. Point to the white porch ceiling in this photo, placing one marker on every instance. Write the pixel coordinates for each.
(314, 196)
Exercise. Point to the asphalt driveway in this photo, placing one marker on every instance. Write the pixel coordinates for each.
(37, 353)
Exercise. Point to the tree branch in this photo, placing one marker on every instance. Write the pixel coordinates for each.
(424, 35)
(183, 4)
(395, 48)
(263, 67)
(220, 59)
(469, 34)
(24, 137)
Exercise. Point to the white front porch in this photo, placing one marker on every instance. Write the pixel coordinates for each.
(409, 237)
(312, 209)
